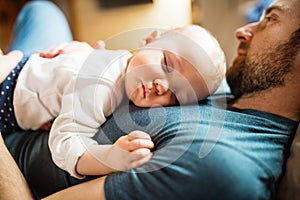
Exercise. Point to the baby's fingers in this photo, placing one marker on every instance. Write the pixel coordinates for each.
(99, 45)
(53, 51)
(134, 141)
(140, 143)
(76, 46)
(140, 157)
(138, 134)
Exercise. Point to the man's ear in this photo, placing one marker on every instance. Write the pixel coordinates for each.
(154, 35)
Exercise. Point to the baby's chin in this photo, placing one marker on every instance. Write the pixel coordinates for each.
(143, 104)
(138, 103)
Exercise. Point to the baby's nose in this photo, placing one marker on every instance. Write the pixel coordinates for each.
(161, 86)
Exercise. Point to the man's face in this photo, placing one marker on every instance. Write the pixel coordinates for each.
(266, 52)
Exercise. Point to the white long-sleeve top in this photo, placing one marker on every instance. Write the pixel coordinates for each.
(79, 90)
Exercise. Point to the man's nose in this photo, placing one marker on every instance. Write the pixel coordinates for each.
(246, 33)
(161, 86)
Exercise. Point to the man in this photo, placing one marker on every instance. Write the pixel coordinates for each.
(215, 150)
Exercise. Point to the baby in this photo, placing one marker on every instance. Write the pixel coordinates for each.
(79, 90)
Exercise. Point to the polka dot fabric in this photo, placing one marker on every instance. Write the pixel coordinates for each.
(7, 118)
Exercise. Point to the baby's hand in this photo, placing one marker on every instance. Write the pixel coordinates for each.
(135, 149)
(154, 35)
(68, 48)
(128, 152)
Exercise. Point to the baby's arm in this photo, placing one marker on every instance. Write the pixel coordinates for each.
(129, 151)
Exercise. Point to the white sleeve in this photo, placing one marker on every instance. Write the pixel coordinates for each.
(85, 107)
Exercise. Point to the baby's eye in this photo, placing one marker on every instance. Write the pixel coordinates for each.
(166, 67)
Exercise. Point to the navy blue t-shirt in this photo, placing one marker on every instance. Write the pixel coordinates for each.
(210, 151)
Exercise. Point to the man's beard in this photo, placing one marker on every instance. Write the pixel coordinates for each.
(265, 70)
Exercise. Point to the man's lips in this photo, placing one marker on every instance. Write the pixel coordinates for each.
(242, 49)
(241, 52)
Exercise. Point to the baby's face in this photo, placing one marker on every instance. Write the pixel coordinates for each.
(156, 77)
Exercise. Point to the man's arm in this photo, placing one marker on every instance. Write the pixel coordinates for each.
(12, 184)
(89, 190)
(9, 62)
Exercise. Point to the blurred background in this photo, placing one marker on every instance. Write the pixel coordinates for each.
(91, 20)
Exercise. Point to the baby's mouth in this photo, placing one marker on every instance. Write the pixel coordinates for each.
(144, 90)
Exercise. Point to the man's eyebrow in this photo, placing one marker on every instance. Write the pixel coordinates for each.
(274, 7)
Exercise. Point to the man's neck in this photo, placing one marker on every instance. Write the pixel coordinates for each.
(281, 101)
